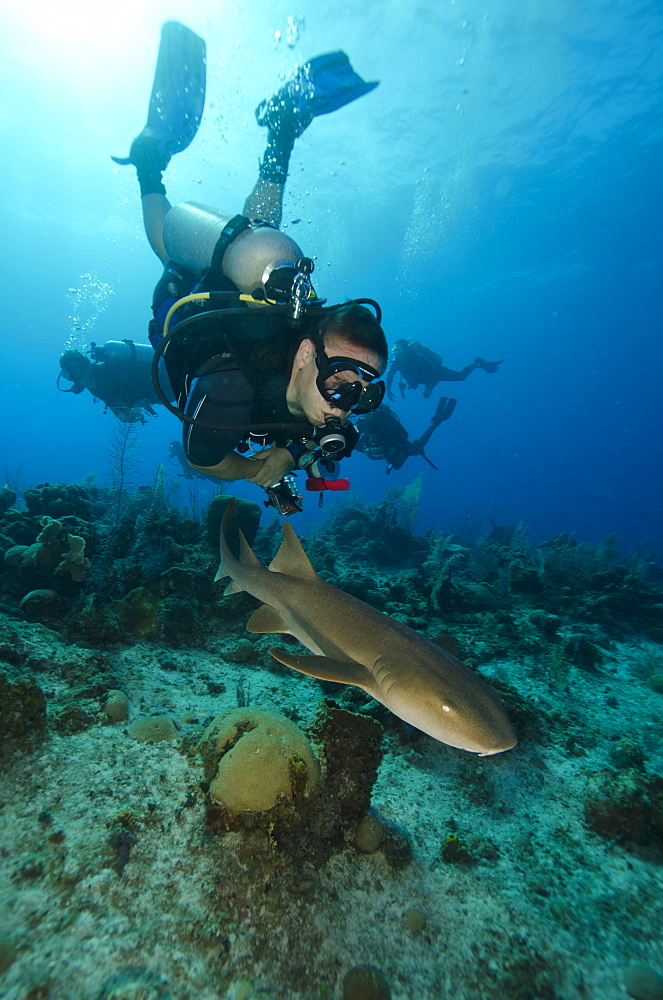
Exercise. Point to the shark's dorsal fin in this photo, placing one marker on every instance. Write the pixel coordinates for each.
(326, 669)
(266, 619)
(291, 558)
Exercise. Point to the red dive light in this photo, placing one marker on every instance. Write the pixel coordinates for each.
(318, 485)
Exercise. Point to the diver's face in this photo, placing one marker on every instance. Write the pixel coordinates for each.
(303, 396)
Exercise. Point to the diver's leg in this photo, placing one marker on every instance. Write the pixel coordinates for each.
(150, 161)
(174, 113)
(155, 209)
(320, 86)
(266, 200)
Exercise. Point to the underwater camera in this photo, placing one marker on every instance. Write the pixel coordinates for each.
(285, 497)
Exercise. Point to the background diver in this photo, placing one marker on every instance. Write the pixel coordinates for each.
(246, 374)
(119, 373)
(382, 435)
(418, 365)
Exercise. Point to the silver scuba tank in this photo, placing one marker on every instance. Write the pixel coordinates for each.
(122, 353)
(191, 232)
(132, 367)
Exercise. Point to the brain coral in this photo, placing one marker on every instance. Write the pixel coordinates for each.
(253, 757)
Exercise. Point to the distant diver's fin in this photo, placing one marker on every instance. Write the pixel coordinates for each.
(445, 408)
(178, 95)
(444, 411)
(320, 86)
(427, 459)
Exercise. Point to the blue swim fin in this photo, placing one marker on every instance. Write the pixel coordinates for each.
(320, 86)
(178, 95)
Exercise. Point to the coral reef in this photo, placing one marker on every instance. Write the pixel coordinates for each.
(108, 573)
(79, 560)
(439, 872)
(261, 768)
(264, 775)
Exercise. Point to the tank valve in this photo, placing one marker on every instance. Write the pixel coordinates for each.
(301, 286)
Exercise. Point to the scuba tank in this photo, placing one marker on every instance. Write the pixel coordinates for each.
(127, 368)
(122, 352)
(258, 259)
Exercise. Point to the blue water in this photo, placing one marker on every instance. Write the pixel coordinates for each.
(499, 194)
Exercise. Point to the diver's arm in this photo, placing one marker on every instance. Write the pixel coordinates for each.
(263, 471)
(273, 464)
(391, 374)
(233, 466)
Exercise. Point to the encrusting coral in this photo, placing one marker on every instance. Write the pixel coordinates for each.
(257, 760)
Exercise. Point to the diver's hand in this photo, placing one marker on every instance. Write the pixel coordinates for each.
(273, 464)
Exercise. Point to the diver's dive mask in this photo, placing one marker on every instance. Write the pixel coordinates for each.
(336, 384)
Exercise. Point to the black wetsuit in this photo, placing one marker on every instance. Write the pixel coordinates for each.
(226, 399)
(230, 369)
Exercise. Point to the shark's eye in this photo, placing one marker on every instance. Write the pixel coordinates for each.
(445, 708)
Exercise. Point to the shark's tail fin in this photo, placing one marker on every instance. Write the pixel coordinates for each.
(247, 556)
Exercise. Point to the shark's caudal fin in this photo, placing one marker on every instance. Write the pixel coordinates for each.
(246, 555)
(291, 558)
(228, 514)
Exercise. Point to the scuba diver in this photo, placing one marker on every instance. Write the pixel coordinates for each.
(382, 435)
(119, 373)
(265, 376)
(418, 365)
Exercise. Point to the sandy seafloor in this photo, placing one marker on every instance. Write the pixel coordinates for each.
(557, 911)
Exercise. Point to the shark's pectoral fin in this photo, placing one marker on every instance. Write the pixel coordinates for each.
(326, 669)
(266, 619)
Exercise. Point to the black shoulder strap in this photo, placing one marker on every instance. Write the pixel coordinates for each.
(230, 231)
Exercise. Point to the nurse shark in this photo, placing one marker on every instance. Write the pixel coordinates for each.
(354, 643)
